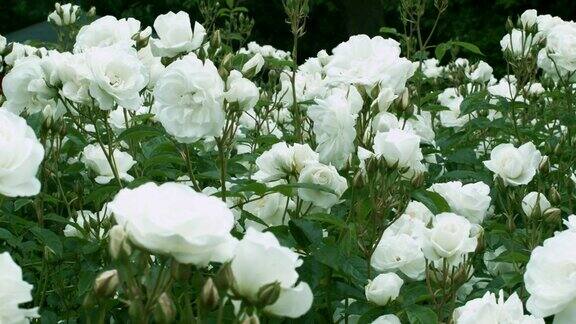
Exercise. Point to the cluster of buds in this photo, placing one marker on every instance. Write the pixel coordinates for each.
(64, 15)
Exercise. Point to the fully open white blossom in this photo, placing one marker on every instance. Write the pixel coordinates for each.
(470, 200)
(175, 35)
(13, 292)
(94, 157)
(515, 166)
(107, 31)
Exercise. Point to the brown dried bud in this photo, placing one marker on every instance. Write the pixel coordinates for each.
(268, 294)
(209, 295)
(106, 283)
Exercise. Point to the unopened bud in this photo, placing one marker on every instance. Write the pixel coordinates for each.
(253, 65)
(554, 195)
(544, 166)
(552, 215)
(91, 12)
(253, 319)
(166, 309)
(225, 277)
(209, 295)
(418, 180)
(405, 99)
(509, 25)
(119, 244)
(268, 294)
(106, 283)
(215, 40)
(141, 38)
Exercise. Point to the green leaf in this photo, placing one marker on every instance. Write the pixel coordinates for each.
(468, 46)
(421, 315)
(49, 239)
(139, 132)
(432, 200)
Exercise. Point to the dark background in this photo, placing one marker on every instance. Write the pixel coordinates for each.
(331, 21)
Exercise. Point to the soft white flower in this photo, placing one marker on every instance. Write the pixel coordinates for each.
(326, 176)
(518, 42)
(470, 200)
(241, 90)
(452, 99)
(399, 147)
(258, 260)
(70, 73)
(419, 211)
(550, 277)
(399, 252)
(529, 18)
(153, 65)
(282, 161)
(482, 73)
(95, 158)
(387, 319)
(492, 310)
(174, 219)
(271, 209)
(90, 221)
(385, 98)
(13, 292)
(189, 99)
(431, 68)
(546, 23)
(515, 166)
(368, 62)
(117, 77)
(384, 288)
(107, 31)
(175, 35)
(26, 90)
(558, 58)
(253, 65)
(535, 202)
(451, 238)
(20, 156)
(334, 124)
(64, 15)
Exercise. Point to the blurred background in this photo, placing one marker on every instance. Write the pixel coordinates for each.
(481, 22)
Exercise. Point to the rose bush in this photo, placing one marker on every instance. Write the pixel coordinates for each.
(180, 173)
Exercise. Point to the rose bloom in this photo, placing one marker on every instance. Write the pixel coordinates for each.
(515, 166)
(282, 161)
(533, 202)
(13, 292)
(550, 278)
(174, 219)
(175, 35)
(470, 200)
(117, 77)
(20, 156)
(241, 90)
(94, 158)
(259, 260)
(384, 288)
(451, 238)
(490, 309)
(399, 252)
(324, 175)
(399, 147)
(107, 31)
(189, 99)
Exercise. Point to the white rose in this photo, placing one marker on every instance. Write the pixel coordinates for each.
(535, 202)
(90, 221)
(153, 65)
(518, 42)
(550, 278)
(385, 98)
(529, 18)
(70, 73)
(271, 209)
(399, 147)
(174, 219)
(489, 309)
(399, 252)
(241, 90)
(431, 68)
(419, 211)
(546, 23)
(26, 90)
(107, 31)
(20, 157)
(282, 161)
(471, 200)
(189, 99)
(13, 292)
(117, 77)
(94, 158)
(451, 237)
(369, 61)
(387, 319)
(258, 260)
(452, 99)
(253, 65)
(64, 15)
(384, 288)
(482, 73)
(558, 56)
(326, 176)
(334, 128)
(515, 166)
(175, 35)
